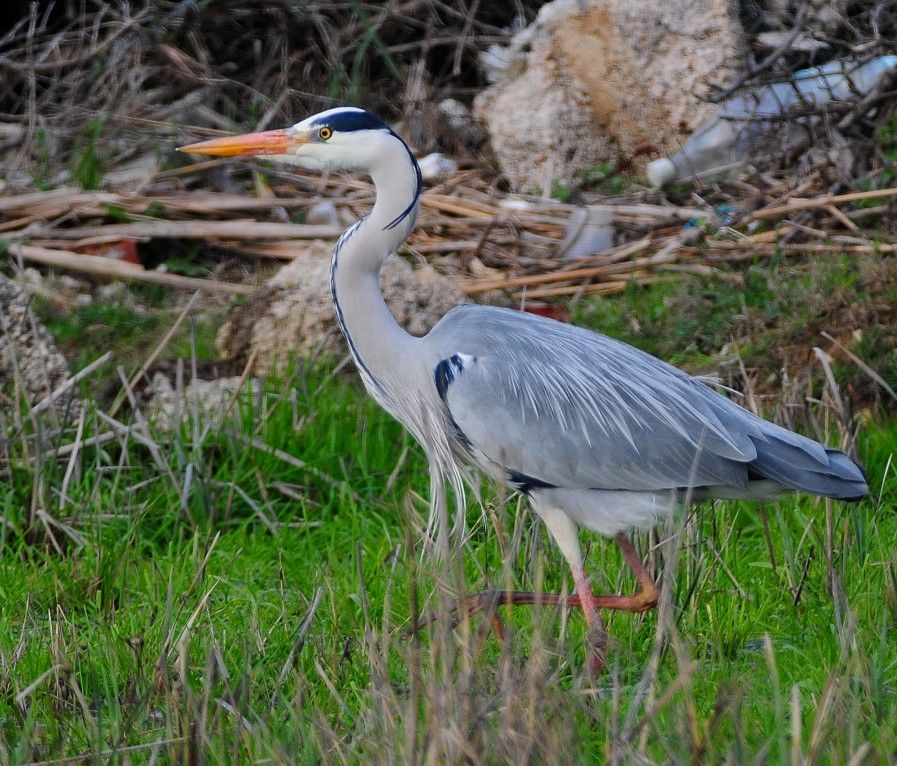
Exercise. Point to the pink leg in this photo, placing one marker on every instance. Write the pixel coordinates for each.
(488, 601)
(596, 641)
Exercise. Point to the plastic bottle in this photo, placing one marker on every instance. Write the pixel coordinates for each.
(728, 137)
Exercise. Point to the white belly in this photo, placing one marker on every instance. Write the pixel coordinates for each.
(609, 511)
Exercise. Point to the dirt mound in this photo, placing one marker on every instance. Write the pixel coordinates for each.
(293, 313)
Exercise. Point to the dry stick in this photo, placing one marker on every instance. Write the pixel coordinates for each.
(471, 287)
(798, 24)
(770, 237)
(448, 204)
(609, 256)
(127, 432)
(70, 468)
(78, 376)
(614, 267)
(819, 202)
(200, 572)
(166, 339)
(187, 170)
(297, 647)
(451, 246)
(860, 755)
(210, 202)
(286, 457)
(103, 754)
(70, 197)
(23, 695)
(504, 283)
(234, 395)
(49, 204)
(624, 251)
(18, 223)
(287, 249)
(191, 620)
(862, 365)
(106, 267)
(662, 212)
(67, 449)
(800, 247)
(249, 229)
(846, 222)
(599, 288)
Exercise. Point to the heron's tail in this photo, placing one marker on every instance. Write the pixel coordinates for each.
(806, 465)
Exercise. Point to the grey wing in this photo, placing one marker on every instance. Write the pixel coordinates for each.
(552, 404)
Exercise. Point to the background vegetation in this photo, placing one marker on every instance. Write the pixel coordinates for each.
(238, 588)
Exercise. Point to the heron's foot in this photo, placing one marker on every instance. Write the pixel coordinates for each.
(488, 601)
(596, 646)
(647, 598)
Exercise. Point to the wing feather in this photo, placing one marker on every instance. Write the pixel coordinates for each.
(572, 408)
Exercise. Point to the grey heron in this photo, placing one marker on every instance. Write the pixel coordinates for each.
(596, 433)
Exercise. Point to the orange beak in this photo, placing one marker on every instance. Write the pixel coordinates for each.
(248, 144)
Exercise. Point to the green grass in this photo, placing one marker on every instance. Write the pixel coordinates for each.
(161, 605)
(131, 326)
(87, 164)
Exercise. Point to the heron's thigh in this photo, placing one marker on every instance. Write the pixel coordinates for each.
(562, 528)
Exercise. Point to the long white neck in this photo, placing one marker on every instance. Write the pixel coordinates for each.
(379, 346)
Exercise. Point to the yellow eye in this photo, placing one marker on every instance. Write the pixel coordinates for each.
(325, 133)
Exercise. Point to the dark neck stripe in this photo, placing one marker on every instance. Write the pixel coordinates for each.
(340, 319)
(419, 185)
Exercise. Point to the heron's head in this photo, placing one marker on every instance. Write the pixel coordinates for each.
(346, 138)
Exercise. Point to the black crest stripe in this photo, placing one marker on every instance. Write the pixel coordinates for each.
(350, 120)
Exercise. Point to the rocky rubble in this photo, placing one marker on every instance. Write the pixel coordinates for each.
(210, 401)
(30, 363)
(615, 81)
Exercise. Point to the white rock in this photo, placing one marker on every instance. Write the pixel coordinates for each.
(31, 277)
(497, 59)
(436, 165)
(323, 213)
(114, 291)
(594, 81)
(69, 284)
(207, 399)
(30, 364)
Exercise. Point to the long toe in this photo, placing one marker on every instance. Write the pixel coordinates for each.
(488, 601)
(596, 645)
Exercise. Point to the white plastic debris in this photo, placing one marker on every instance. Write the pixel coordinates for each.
(728, 138)
(512, 203)
(462, 122)
(436, 165)
(323, 213)
(589, 231)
